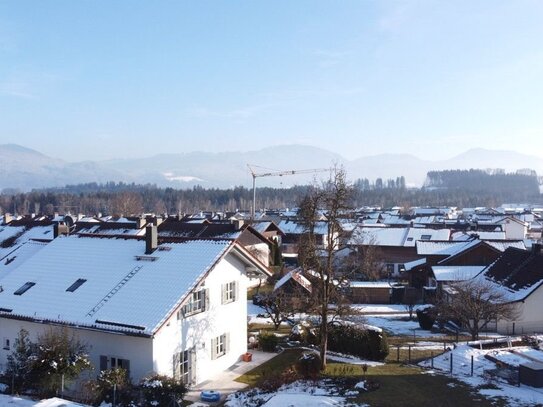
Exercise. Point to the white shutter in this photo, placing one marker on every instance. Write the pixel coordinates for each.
(206, 299)
(223, 293)
(176, 366)
(236, 290)
(227, 342)
(214, 349)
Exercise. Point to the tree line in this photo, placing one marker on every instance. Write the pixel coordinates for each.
(462, 188)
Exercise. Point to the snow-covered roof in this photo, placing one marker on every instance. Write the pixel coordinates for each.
(404, 237)
(13, 236)
(123, 286)
(18, 255)
(456, 273)
(295, 228)
(444, 248)
(370, 284)
(99, 230)
(482, 235)
(296, 276)
(412, 264)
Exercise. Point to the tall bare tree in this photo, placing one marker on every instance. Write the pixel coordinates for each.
(318, 258)
(475, 303)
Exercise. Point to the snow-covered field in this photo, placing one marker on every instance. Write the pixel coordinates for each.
(488, 387)
(11, 401)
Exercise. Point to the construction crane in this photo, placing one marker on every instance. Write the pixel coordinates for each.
(256, 175)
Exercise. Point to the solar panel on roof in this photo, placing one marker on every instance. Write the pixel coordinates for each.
(26, 286)
(78, 283)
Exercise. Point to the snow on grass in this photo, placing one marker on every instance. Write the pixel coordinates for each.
(342, 358)
(12, 401)
(300, 394)
(485, 385)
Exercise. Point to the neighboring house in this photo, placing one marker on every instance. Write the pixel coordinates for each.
(177, 309)
(473, 252)
(519, 275)
(175, 230)
(397, 246)
(514, 228)
(294, 230)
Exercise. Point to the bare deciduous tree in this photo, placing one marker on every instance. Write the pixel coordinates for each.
(318, 258)
(475, 303)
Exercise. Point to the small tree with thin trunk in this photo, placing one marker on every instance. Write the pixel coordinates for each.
(318, 258)
(281, 306)
(475, 303)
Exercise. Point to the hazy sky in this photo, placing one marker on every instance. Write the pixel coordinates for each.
(103, 79)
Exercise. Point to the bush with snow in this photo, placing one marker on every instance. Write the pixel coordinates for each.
(158, 390)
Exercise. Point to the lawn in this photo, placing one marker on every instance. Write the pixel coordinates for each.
(278, 364)
(399, 385)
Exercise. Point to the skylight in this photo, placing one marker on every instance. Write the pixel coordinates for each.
(26, 286)
(79, 282)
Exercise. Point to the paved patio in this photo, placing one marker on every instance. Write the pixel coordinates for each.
(224, 382)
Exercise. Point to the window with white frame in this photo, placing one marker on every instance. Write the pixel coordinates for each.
(229, 292)
(196, 303)
(113, 362)
(220, 345)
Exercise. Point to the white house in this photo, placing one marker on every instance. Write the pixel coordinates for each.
(518, 274)
(177, 309)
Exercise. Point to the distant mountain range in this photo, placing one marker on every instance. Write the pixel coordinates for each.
(24, 169)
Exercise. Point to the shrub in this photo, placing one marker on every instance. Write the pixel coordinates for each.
(19, 366)
(427, 317)
(268, 341)
(109, 379)
(309, 365)
(365, 343)
(304, 334)
(160, 390)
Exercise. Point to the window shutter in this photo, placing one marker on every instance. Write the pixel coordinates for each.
(192, 365)
(223, 293)
(176, 366)
(206, 299)
(227, 342)
(214, 349)
(236, 290)
(103, 362)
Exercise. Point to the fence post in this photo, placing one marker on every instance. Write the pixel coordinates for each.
(432, 359)
(451, 362)
(398, 353)
(472, 365)
(409, 354)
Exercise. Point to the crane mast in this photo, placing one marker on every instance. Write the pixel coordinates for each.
(256, 175)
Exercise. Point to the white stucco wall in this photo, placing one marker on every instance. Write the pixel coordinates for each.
(137, 350)
(198, 330)
(530, 317)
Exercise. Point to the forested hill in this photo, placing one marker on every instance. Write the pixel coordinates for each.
(523, 183)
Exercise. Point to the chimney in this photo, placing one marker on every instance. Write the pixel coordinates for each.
(536, 248)
(151, 239)
(238, 223)
(59, 229)
(7, 218)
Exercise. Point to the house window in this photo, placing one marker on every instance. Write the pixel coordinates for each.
(26, 286)
(113, 362)
(229, 292)
(184, 366)
(196, 303)
(6, 345)
(220, 345)
(390, 268)
(425, 237)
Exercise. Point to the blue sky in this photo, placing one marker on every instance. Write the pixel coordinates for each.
(115, 79)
